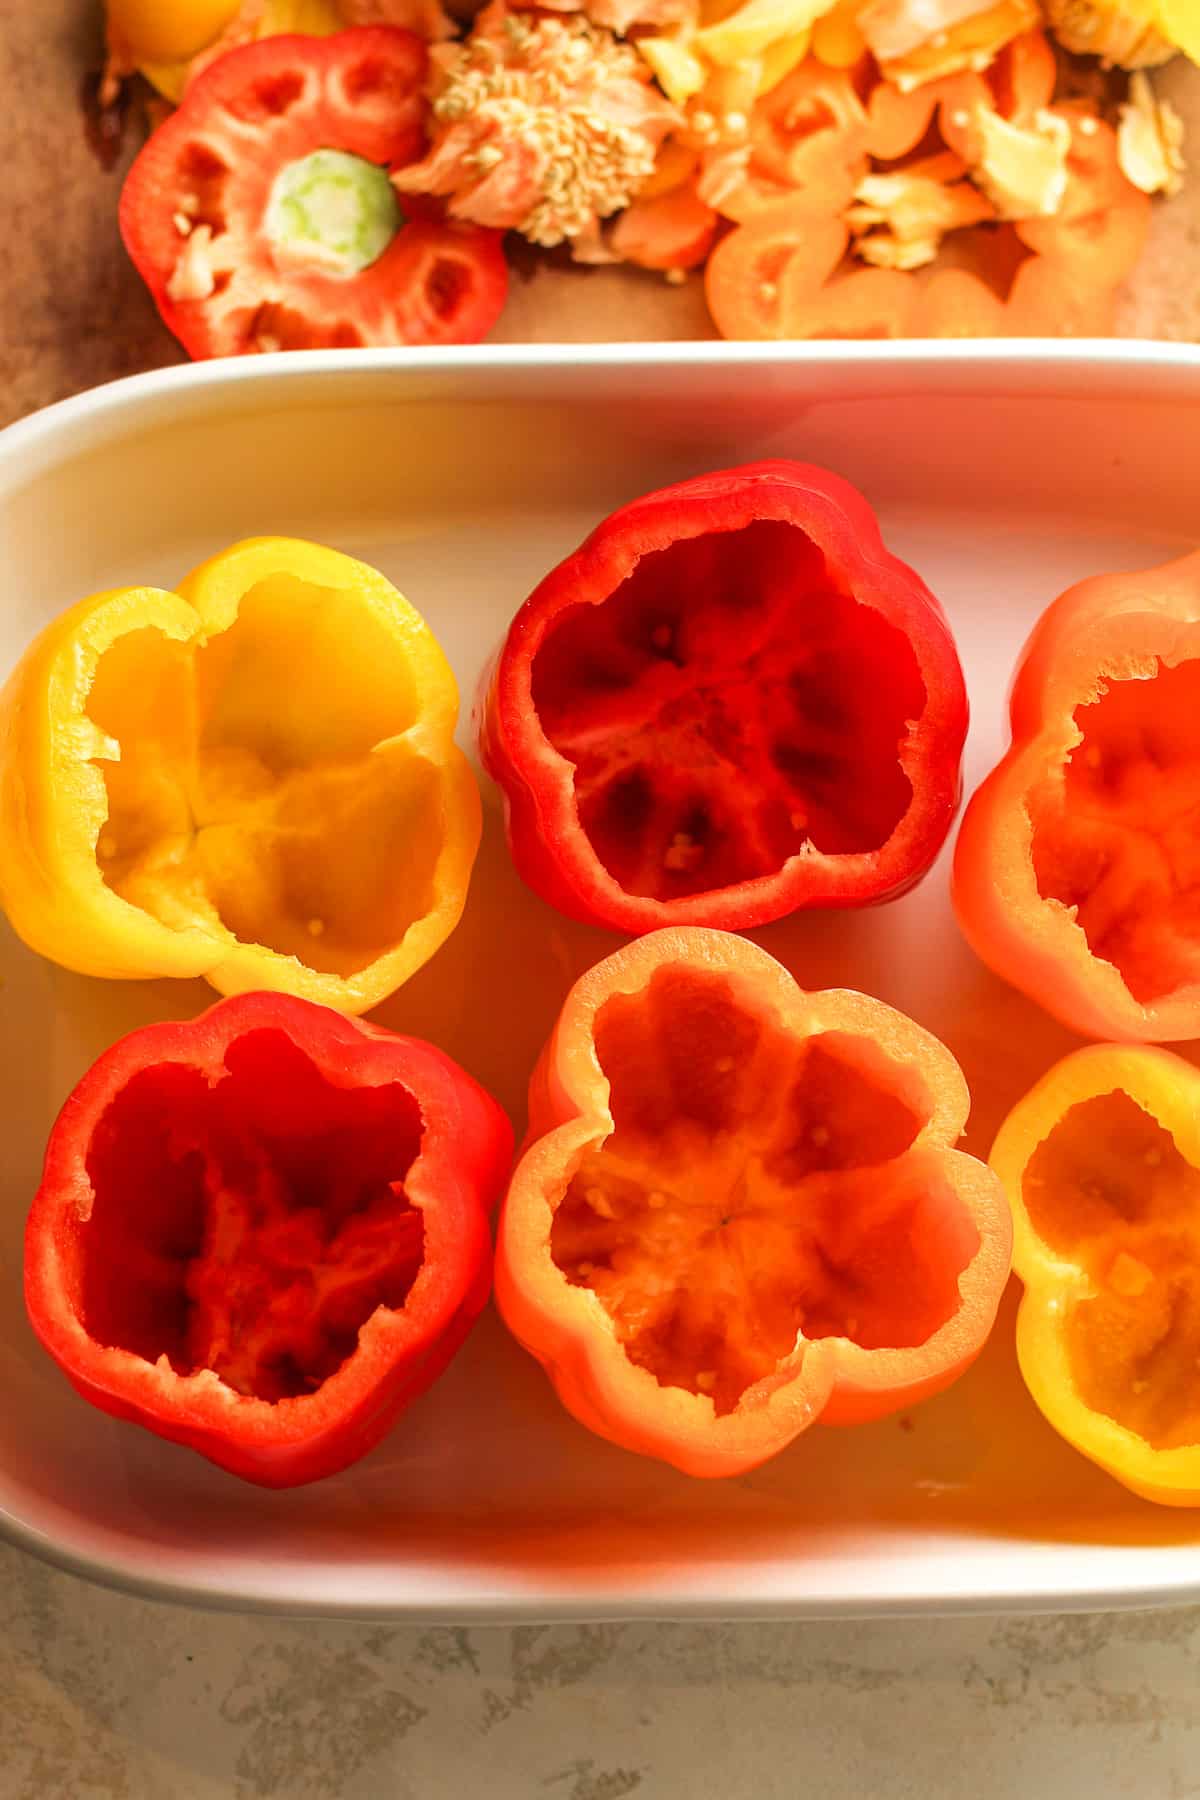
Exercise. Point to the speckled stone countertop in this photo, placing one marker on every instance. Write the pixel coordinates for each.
(108, 1698)
(103, 1697)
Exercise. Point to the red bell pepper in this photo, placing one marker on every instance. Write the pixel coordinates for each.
(740, 1209)
(1076, 874)
(263, 1232)
(261, 215)
(729, 703)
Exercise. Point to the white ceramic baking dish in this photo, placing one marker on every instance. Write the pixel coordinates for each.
(1002, 473)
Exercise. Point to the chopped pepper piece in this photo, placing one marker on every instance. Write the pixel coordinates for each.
(916, 41)
(252, 779)
(1023, 168)
(263, 1232)
(1150, 140)
(1102, 220)
(1017, 85)
(836, 37)
(667, 231)
(679, 72)
(1132, 33)
(754, 25)
(1076, 875)
(867, 304)
(1101, 1163)
(778, 259)
(957, 304)
(811, 131)
(171, 41)
(740, 1211)
(901, 218)
(261, 215)
(729, 703)
(1050, 298)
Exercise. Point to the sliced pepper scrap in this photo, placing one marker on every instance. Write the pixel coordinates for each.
(911, 49)
(739, 1210)
(1133, 34)
(810, 133)
(1076, 874)
(261, 1233)
(1101, 1163)
(252, 779)
(729, 703)
(782, 256)
(1100, 226)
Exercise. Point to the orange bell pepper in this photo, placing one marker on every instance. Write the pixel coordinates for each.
(1077, 874)
(1101, 1163)
(252, 779)
(739, 1210)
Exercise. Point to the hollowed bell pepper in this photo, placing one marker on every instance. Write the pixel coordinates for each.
(739, 1210)
(263, 1232)
(1077, 875)
(1101, 1161)
(252, 779)
(729, 703)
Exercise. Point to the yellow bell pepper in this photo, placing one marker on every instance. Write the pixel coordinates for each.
(161, 37)
(172, 32)
(1101, 1164)
(253, 779)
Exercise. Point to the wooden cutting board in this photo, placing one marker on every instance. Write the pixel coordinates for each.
(73, 313)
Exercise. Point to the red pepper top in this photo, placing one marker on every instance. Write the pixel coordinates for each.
(729, 703)
(262, 217)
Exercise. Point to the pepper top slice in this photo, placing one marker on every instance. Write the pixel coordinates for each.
(252, 779)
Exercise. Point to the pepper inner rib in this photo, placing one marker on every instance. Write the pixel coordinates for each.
(1118, 835)
(265, 788)
(727, 707)
(253, 1226)
(1110, 1191)
(756, 1189)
